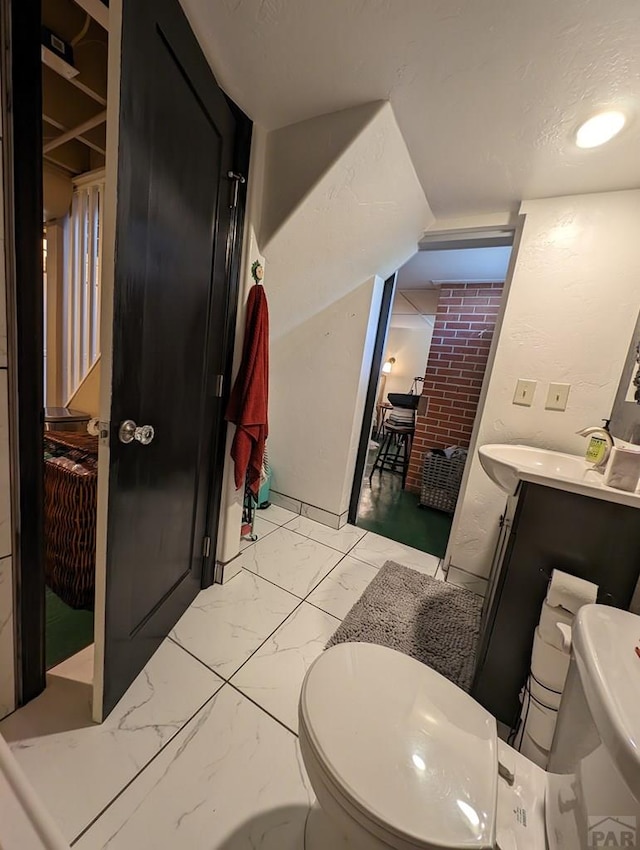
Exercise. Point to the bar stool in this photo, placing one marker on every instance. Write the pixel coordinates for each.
(382, 409)
(398, 461)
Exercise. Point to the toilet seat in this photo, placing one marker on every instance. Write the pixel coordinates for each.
(400, 749)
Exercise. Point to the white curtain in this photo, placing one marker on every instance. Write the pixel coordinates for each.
(81, 305)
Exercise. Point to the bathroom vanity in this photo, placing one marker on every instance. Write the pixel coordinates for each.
(560, 515)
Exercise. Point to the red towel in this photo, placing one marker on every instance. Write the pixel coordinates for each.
(249, 401)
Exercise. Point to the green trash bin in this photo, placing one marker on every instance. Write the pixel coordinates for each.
(263, 492)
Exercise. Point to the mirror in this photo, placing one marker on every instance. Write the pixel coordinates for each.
(625, 417)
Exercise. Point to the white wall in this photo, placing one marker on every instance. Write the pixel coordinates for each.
(320, 373)
(299, 156)
(410, 347)
(361, 219)
(569, 317)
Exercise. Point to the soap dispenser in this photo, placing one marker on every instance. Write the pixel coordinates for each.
(600, 445)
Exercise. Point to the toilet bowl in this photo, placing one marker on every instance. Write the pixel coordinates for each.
(401, 758)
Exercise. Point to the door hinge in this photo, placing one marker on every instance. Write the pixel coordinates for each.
(218, 385)
(237, 180)
(206, 547)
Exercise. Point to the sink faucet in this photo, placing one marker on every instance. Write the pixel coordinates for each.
(601, 432)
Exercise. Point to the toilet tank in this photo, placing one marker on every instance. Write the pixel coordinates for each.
(593, 782)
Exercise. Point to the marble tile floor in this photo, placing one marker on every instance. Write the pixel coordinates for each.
(202, 750)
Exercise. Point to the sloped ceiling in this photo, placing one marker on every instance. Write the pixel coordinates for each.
(487, 94)
(468, 264)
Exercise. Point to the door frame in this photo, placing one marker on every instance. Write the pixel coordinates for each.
(23, 221)
(22, 160)
(483, 236)
(241, 159)
(388, 292)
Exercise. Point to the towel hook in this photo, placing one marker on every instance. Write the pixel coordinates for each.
(257, 271)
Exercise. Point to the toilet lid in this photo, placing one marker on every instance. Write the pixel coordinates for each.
(410, 750)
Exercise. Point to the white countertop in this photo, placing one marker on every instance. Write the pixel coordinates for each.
(507, 465)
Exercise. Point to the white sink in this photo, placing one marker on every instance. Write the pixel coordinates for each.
(504, 464)
(508, 465)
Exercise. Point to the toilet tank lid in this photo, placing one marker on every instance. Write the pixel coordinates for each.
(412, 751)
(605, 641)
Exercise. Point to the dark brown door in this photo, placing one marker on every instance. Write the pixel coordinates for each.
(171, 292)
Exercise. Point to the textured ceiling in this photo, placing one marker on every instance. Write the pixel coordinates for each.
(487, 93)
(468, 264)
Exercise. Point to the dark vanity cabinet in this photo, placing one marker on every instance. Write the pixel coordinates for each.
(544, 528)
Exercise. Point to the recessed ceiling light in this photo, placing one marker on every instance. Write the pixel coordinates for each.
(600, 129)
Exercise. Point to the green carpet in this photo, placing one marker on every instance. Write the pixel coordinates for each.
(386, 509)
(68, 631)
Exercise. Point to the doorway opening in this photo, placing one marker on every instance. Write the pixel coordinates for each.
(147, 542)
(74, 52)
(428, 381)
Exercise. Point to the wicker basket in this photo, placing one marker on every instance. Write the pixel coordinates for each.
(441, 479)
(70, 519)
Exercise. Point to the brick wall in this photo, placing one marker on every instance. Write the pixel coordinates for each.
(462, 335)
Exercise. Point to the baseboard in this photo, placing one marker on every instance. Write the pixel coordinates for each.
(320, 515)
(461, 578)
(224, 571)
(285, 502)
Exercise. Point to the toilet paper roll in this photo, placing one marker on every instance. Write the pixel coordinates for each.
(539, 722)
(623, 469)
(570, 592)
(534, 753)
(544, 695)
(548, 664)
(549, 620)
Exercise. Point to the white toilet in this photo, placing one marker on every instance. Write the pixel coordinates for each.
(401, 758)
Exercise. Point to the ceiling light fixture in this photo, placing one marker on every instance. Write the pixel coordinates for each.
(600, 129)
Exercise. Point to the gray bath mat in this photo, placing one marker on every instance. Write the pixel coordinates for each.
(435, 622)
